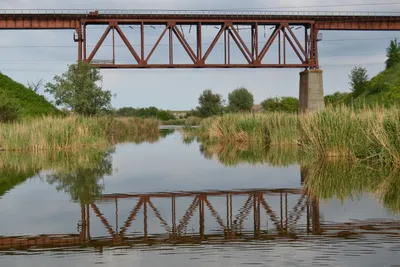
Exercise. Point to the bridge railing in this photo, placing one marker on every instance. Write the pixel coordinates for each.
(222, 12)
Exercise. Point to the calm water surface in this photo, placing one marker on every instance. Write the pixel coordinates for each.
(176, 201)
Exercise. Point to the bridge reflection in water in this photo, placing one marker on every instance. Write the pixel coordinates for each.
(294, 222)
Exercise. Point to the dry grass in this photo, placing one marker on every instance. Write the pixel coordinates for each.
(71, 133)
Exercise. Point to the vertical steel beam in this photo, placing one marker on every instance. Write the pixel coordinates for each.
(173, 216)
(315, 215)
(79, 39)
(259, 214)
(201, 215)
(84, 42)
(171, 46)
(113, 44)
(316, 47)
(281, 202)
(116, 215)
(142, 41)
(255, 216)
(229, 49)
(199, 43)
(145, 219)
(286, 212)
(225, 47)
(284, 46)
(88, 222)
(306, 44)
(279, 48)
(83, 226)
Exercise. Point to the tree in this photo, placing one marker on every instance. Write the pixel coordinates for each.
(78, 90)
(240, 100)
(210, 104)
(35, 86)
(285, 104)
(83, 183)
(337, 98)
(358, 80)
(271, 104)
(290, 104)
(393, 54)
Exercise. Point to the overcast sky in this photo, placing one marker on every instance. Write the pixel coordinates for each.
(32, 55)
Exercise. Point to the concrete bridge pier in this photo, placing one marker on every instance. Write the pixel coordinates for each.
(311, 91)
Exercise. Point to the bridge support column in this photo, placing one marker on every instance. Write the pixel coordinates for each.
(311, 91)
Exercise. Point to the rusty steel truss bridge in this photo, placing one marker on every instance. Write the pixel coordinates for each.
(283, 25)
(294, 219)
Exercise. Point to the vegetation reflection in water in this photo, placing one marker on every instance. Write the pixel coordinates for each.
(324, 179)
(348, 180)
(78, 173)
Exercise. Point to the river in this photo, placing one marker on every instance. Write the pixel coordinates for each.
(180, 201)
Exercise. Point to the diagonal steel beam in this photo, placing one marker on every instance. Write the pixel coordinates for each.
(157, 43)
(131, 217)
(269, 43)
(303, 51)
(270, 213)
(293, 46)
(103, 219)
(99, 43)
(128, 44)
(239, 46)
(215, 214)
(243, 213)
(185, 44)
(188, 215)
(158, 215)
(214, 42)
(239, 38)
(295, 210)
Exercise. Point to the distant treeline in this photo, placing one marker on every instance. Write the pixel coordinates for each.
(150, 112)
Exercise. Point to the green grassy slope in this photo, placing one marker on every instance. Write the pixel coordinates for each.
(30, 103)
(383, 89)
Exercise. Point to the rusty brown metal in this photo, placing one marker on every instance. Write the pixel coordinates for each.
(229, 26)
(229, 230)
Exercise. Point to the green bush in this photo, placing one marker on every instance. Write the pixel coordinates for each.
(9, 111)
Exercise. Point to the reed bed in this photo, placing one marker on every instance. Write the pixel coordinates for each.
(268, 128)
(71, 133)
(365, 134)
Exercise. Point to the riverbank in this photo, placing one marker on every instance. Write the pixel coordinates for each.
(368, 134)
(72, 133)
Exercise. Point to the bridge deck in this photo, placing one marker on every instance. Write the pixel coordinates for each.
(70, 19)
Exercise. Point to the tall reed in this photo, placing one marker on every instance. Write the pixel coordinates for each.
(365, 134)
(269, 128)
(71, 133)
